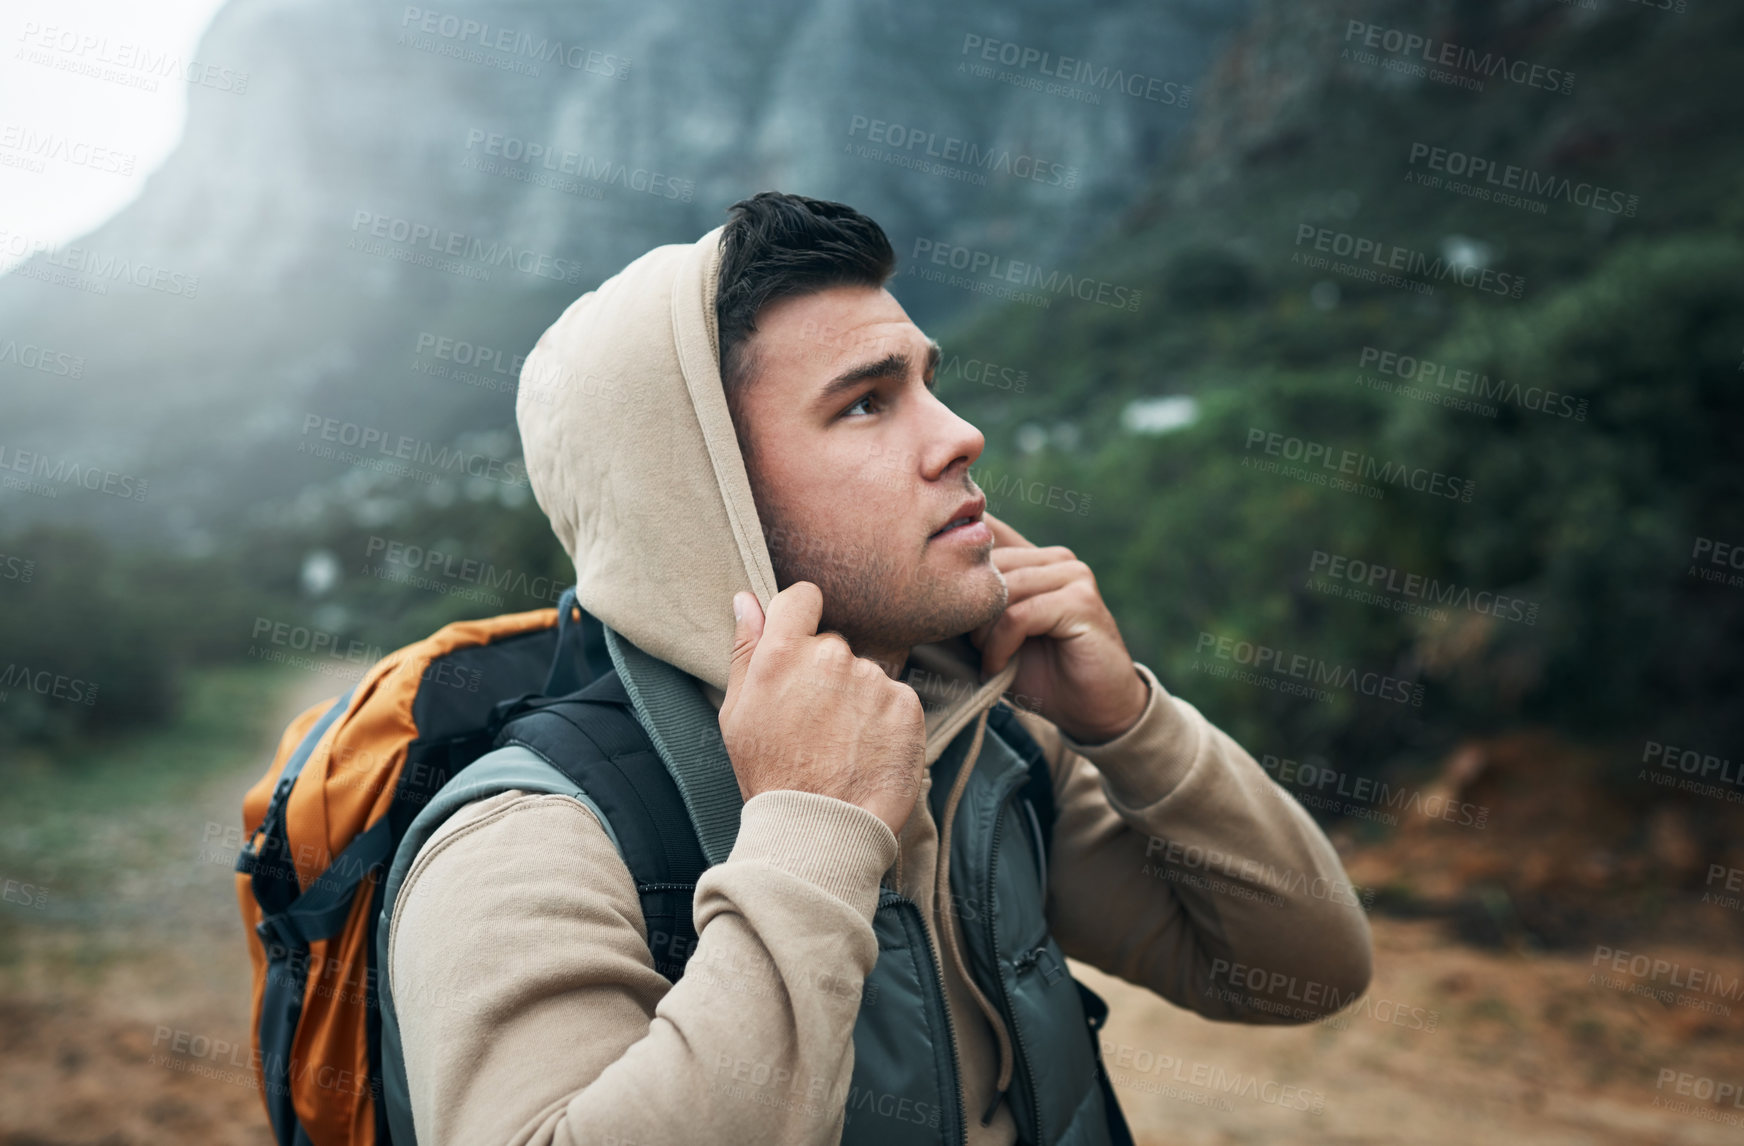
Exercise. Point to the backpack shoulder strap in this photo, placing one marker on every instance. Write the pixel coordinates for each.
(589, 747)
(595, 740)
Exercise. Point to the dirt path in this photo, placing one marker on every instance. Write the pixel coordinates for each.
(1450, 1045)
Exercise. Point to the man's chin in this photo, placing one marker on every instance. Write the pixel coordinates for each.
(974, 605)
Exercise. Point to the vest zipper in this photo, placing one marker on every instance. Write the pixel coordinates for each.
(950, 1031)
(1004, 992)
(944, 1007)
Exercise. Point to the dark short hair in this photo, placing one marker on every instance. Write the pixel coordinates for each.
(778, 245)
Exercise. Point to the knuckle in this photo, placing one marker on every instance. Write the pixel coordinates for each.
(833, 649)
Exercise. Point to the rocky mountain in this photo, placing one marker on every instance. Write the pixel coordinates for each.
(363, 186)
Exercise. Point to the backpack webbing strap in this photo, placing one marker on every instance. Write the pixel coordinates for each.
(501, 770)
(686, 733)
(595, 740)
(271, 832)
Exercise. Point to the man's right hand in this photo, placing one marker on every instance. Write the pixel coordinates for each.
(804, 713)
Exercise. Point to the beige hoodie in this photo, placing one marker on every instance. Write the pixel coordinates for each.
(528, 999)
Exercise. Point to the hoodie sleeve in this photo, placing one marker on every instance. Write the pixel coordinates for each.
(1179, 866)
(531, 1010)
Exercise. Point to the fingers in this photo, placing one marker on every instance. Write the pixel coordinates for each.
(1017, 624)
(748, 625)
(795, 612)
(1027, 581)
(1017, 558)
(1003, 534)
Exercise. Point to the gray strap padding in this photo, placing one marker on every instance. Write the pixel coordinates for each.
(686, 732)
(500, 770)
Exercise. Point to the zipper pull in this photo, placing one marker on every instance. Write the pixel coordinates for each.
(1050, 969)
(998, 1096)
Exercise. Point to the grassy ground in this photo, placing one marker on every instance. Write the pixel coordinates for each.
(131, 933)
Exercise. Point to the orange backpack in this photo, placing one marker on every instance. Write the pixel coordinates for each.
(322, 827)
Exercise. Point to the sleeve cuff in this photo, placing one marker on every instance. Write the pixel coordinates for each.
(1147, 761)
(837, 846)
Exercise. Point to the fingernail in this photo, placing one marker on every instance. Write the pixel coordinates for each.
(738, 608)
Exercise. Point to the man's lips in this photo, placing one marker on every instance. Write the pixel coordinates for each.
(965, 523)
(976, 532)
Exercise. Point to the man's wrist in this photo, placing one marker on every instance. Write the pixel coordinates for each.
(1097, 737)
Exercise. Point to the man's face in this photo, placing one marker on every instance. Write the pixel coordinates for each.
(856, 466)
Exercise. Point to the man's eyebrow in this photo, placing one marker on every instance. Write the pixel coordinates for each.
(892, 365)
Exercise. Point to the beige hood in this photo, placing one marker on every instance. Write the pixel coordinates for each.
(632, 456)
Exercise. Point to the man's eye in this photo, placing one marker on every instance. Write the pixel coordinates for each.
(864, 398)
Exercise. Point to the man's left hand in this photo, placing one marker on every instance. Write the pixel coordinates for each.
(1074, 668)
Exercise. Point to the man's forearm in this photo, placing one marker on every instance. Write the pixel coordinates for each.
(1181, 867)
(531, 1012)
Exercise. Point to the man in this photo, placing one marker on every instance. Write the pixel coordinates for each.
(749, 422)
